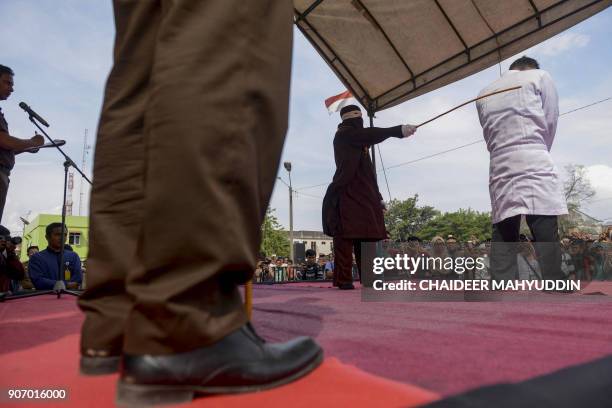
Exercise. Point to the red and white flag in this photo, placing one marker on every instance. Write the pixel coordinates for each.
(337, 102)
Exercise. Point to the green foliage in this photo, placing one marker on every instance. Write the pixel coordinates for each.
(463, 224)
(274, 240)
(405, 218)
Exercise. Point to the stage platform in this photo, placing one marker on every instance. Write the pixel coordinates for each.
(377, 354)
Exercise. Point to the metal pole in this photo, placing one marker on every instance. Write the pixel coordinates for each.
(61, 270)
(248, 298)
(373, 152)
(290, 219)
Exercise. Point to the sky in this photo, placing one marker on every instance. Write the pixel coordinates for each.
(62, 56)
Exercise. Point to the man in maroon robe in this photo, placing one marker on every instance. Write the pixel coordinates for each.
(353, 206)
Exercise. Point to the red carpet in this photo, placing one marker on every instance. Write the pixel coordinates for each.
(374, 351)
(447, 347)
(39, 338)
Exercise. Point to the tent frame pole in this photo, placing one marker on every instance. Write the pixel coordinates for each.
(372, 151)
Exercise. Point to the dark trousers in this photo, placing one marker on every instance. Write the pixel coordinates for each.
(504, 246)
(343, 260)
(190, 136)
(4, 186)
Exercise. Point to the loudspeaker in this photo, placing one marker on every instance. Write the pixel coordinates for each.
(299, 252)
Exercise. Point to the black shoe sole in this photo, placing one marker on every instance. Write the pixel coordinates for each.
(139, 395)
(99, 365)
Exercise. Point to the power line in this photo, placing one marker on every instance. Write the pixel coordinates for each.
(284, 182)
(586, 106)
(434, 155)
(450, 150)
(480, 140)
(313, 186)
(384, 172)
(308, 195)
(589, 201)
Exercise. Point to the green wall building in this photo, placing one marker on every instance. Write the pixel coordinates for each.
(78, 233)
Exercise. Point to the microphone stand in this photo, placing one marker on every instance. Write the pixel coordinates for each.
(60, 286)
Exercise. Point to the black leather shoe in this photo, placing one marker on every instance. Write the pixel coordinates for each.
(99, 362)
(240, 362)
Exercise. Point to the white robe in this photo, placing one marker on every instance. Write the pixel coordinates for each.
(519, 128)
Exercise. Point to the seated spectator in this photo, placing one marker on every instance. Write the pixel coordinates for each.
(311, 270)
(355, 270)
(483, 273)
(290, 270)
(26, 283)
(44, 266)
(438, 250)
(322, 260)
(329, 267)
(279, 270)
(580, 261)
(258, 276)
(452, 246)
(268, 273)
(599, 264)
(11, 269)
(527, 262)
(567, 265)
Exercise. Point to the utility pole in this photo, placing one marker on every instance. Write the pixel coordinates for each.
(288, 168)
(86, 149)
(24, 221)
(69, 198)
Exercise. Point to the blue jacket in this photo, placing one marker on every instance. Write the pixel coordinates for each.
(43, 268)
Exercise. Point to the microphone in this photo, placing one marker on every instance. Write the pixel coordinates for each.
(33, 114)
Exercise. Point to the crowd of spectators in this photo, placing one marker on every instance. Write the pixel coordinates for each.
(583, 258)
(281, 269)
(42, 269)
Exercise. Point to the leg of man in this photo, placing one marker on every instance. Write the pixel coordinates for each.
(343, 256)
(365, 251)
(544, 229)
(504, 248)
(117, 193)
(185, 296)
(4, 186)
(214, 128)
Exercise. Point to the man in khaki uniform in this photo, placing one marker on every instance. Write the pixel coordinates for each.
(10, 145)
(188, 147)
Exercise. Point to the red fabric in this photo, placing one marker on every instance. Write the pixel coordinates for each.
(332, 99)
(373, 350)
(39, 338)
(447, 347)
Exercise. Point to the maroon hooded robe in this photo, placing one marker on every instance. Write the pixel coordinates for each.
(352, 207)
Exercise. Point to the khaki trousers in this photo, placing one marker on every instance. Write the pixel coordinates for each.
(189, 141)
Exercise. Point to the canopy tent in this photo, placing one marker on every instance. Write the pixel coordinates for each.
(389, 51)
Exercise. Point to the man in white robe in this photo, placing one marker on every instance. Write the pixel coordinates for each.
(519, 128)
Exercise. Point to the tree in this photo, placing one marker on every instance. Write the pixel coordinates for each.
(405, 218)
(577, 189)
(462, 224)
(274, 240)
(577, 186)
